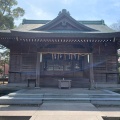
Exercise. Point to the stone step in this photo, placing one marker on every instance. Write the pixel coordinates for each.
(83, 100)
(105, 96)
(21, 101)
(106, 102)
(39, 100)
(26, 95)
(65, 95)
(28, 98)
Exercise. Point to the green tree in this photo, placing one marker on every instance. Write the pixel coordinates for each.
(116, 26)
(5, 56)
(1, 71)
(4, 59)
(8, 13)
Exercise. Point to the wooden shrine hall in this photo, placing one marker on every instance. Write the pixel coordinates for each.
(46, 51)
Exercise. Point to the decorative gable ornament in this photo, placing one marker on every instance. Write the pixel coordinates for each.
(64, 11)
(64, 22)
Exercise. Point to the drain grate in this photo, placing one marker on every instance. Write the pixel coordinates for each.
(15, 117)
(111, 118)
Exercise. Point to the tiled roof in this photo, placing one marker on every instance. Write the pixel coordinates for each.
(29, 25)
(95, 22)
(35, 21)
(64, 23)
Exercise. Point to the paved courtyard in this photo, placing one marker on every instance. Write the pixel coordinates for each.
(61, 110)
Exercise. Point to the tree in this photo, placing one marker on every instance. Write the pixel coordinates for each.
(116, 26)
(8, 13)
(4, 59)
(5, 56)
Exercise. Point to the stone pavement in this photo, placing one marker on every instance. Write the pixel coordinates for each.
(67, 111)
(38, 96)
(110, 111)
(54, 111)
(62, 91)
(61, 111)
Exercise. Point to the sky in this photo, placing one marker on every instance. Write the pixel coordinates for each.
(107, 10)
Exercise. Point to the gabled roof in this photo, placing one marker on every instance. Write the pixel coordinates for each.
(61, 29)
(64, 22)
(43, 22)
(29, 25)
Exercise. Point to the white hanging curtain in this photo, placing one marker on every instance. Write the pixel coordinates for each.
(64, 56)
(75, 55)
(52, 56)
(69, 56)
(40, 57)
(78, 57)
(55, 56)
(88, 57)
(58, 56)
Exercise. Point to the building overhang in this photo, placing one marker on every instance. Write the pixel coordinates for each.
(14, 37)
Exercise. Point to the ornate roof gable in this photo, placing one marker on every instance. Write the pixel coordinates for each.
(64, 22)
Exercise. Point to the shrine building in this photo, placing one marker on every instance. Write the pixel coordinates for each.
(46, 51)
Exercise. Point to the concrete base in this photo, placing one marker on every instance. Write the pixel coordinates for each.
(55, 111)
(60, 104)
(38, 96)
(106, 85)
(95, 85)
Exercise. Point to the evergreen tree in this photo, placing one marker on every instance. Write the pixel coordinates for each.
(116, 26)
(8, 13)
(4, 59)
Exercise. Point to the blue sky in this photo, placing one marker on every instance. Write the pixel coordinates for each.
(108, 10)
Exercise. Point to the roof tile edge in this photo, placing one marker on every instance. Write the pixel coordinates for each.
(95, 22)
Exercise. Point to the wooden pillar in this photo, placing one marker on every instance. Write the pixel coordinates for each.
(38, 70)
(117, 62)
(91, 71)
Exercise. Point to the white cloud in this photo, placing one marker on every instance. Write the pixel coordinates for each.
(18, 21)
(79, 9)
(34, 12)
(116, 4)
(37, 13)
